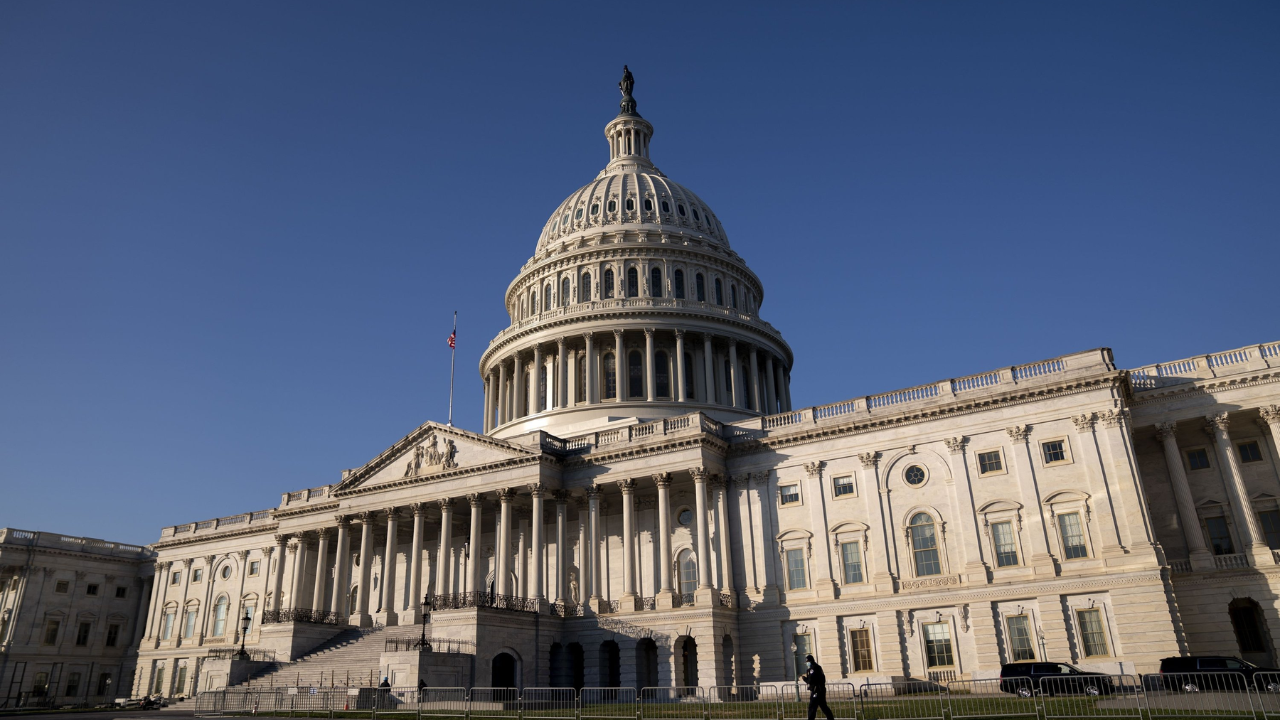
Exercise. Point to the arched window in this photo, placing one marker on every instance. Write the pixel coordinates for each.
(719, 292)
(688, 573)
(533, 302)
(564, 292)
(733, 295)
(220, 616)
(688, 376)
(542, 389)
(924, 544)
(580, 392)
(633, 283)
(677, 284)
(635, 375)
(546, 297)
(655, 282)
(610, 377)
(700, 287)
(584, 288)
(607, 290)
(662, 375)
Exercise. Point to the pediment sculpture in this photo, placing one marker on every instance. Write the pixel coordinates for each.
(431, 453)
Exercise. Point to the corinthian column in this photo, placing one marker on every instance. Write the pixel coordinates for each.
(562, 377)
(562, 556)
(341, 569)
(1246, 520)
(757, 401)
(736, 394)
(322, 569)
(415, 563)
(664, 599)
(536, 491)
(360, 616)
(708, 368)
(388, 610)
(704, 547)
(502, 553)
(770, 399)
(679, 384)
(628, 488)
(277, 586)
(621, 389)
(649, 378)
(1200, 557)
(444, 554)
(721, 485)
(591, 394)
(535, 382)
(504, 409)
(593, 544)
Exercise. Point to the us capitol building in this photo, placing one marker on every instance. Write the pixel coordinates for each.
(644, 507)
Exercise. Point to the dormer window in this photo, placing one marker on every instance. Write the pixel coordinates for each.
(578, 215)
(695, 214)
(666, 207)
(565, 220)
(631, 204)
(648, 205)
(613, 206)
(680, 209)
(595, 208)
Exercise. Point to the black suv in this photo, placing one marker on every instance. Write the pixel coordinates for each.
(1196, 673)
(1024, 679)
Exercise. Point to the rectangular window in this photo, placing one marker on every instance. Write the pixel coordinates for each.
(795, 569)
(1055, 451)
(158, 688)
(91, 589)
(122, 593)
(989, 462)
(73, 684)
(860, 648)
(803, 646)
(82, 634)
(51, 632)
(1091, 632)
(61, 586)
(851, 555)
(197, 575)
(1072, 536)
(175, 578)
(167, 632)
(937, 645)
(1270, 522)
(1198, 459)
(1249, 452)
(1006, 548)
(844, 486)
(113, 635)
(189, 625)
(180, 680)
(789, 494)
(1219, 535)
(1020, 645)
(253, 567)
(41, 685)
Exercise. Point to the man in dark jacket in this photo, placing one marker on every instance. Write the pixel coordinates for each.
(817, 682)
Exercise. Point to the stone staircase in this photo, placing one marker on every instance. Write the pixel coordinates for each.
(349, 658)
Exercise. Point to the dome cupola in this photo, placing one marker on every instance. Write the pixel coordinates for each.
(633, 307)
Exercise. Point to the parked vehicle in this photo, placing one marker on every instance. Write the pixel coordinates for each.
(1197, 673)
(1029, 678)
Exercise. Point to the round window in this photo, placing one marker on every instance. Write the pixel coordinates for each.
(680, 209)
(685, 517)
(226, 571)
(613, 206)
(648, 205)
(631, 204)
(914, 475)
(666, 208)
(595, 208)
(578, 215)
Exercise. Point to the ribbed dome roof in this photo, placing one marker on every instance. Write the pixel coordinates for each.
(631, 197)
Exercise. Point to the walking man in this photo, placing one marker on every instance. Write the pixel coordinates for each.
(817, 682)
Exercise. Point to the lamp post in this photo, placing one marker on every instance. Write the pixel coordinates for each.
(422, 641)
(244, 630)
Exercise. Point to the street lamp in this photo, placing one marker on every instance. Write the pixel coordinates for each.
(244, 630)
(422, 642)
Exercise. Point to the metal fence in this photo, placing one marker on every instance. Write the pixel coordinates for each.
(742, 702)
(672, 703)
(1091, 696)
(608, 703)
(916, 699)
(842, 698)
(1220, 695)
(992, 698)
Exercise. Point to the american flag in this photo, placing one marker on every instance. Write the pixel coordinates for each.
(453, 339)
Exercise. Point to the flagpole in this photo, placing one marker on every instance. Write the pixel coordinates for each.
(453, 354)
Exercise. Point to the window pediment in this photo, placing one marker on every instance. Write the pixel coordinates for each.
(1067, 496)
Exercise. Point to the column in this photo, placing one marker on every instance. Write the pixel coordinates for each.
(780, 382)
(593, 543)
(1201, 559)
(709, 368)
(488, 402)
(515, 394)
(562, 556)
(322, 569)
(770, 398)
(157, 583)
(277, 587)
(590, 360)
(388, 610)
(721, 485)
(878, 547)
(360, 613)
(298, 548)
(1246, 520)
(621, 390)
(562, 381)
(445, 552)
(504, 410)
(473, 544)
(341, 569)
(703, 546)
(628, 488)
(975, 569)
(535, 573)
(736, 394)
(663, 481)
(786, 389)
(415, 563)
(584, 574)
(823, 582)
(648, 364)
(1041, 558)
(755, 382)
(502, 551)
(679, 384)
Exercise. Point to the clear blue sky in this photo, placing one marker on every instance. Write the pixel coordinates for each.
(232, 235)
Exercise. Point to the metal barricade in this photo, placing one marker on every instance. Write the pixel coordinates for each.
(547, 703)
(672, 703)
(397, 702)
(1266, 693)
(442, 702)
(1088, 696)
(742, 702)
(842, 699)
(501, 703)
(991, 698)
(313, 701)
(611, 703)
(1198, 695)
(906, 699)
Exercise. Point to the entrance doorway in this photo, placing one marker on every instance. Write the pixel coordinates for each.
(610, 664)
(646, 663)
(688, 662)
(503, 671)
(1251, 632)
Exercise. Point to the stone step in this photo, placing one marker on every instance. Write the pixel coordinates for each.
(353, 655)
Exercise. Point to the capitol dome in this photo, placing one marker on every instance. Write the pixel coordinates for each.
(633, 307)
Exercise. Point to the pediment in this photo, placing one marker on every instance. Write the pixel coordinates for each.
(1000, 506)
(432, 449)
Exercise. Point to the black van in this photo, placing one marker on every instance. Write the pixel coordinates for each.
(1024, 679)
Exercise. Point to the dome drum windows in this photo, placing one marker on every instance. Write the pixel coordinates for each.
(719, 293)
(633, 283)
(613, 206)
(680, 209)
(677, 284)
(610, 377)
(635, 375)
(648, 205)
(584, 288)
(666, 207)
(564, 292)
(631, 204)
(595, 209)
(655, 282)
(577, 215)
(607, 290)
(700, 288)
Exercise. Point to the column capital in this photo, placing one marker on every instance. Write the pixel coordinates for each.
(445, 504)
(506, 495)
(699, 474)
(1114, 418)
(1084, 422)
(662, 480)
(1213, 424)
(679, 334)
(291, 549)
(419, 508)
(814, 469)
(537, 489)
(1270, 415)
(364, 518)
(760, 478)
(281, 540)
(208, 561)
(392, 513)
(627, 485)
(268, 551)
(617, 335)
(1164, 431)
(322, 534)
(242, 555)
(560, 343)
(741, 481)
(561, 496)
(342, 520)
(717, 481)
(587, 336)
(733, 344)
(869, 459)
(593, 492)
(648, 332)
(955, 445)
(1019, 433)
